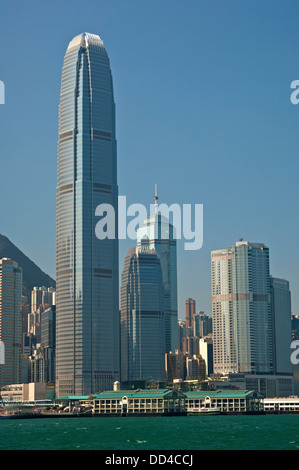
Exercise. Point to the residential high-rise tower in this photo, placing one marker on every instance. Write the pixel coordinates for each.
(10, 320)
(190, 312)
(241, 300)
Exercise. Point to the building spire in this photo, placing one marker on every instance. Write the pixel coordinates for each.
(156, 200)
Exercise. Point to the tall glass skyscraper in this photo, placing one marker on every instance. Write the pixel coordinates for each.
(282, 324)
(142, 317)
(159, 234)
(242, 318)
(87, 314)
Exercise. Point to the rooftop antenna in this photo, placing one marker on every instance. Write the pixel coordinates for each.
(156, 200)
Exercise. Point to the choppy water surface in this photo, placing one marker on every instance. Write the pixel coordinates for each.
(266, 432)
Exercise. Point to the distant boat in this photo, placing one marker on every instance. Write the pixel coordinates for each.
(203, 411)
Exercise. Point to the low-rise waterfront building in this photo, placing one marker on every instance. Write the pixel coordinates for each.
(224, 401)
(167, 402)
(131, 402)
(139, 402)
(282, 405)
(27, 392)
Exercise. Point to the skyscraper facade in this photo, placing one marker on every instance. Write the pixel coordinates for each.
(44, 296)
(142, 317)
(87, 314)
(159, 234)
(241, 300)
(282, 325)
(295, 327)
(10, 320)
(190, 305)
(202, 324)
(206, 352)
(42, 361)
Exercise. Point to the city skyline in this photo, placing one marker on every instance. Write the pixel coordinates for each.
(237, 139)
(149, 227)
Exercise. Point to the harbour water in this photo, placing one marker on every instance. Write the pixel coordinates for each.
(257, 432)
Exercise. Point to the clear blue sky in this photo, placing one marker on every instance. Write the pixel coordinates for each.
(202, 91)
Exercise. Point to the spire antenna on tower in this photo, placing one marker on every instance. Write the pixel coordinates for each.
(156, 199)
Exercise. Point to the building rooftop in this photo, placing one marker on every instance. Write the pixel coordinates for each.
(84, 40)
(161, 393)
(221, 393)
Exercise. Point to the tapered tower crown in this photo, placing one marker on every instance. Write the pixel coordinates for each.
(84, 40)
